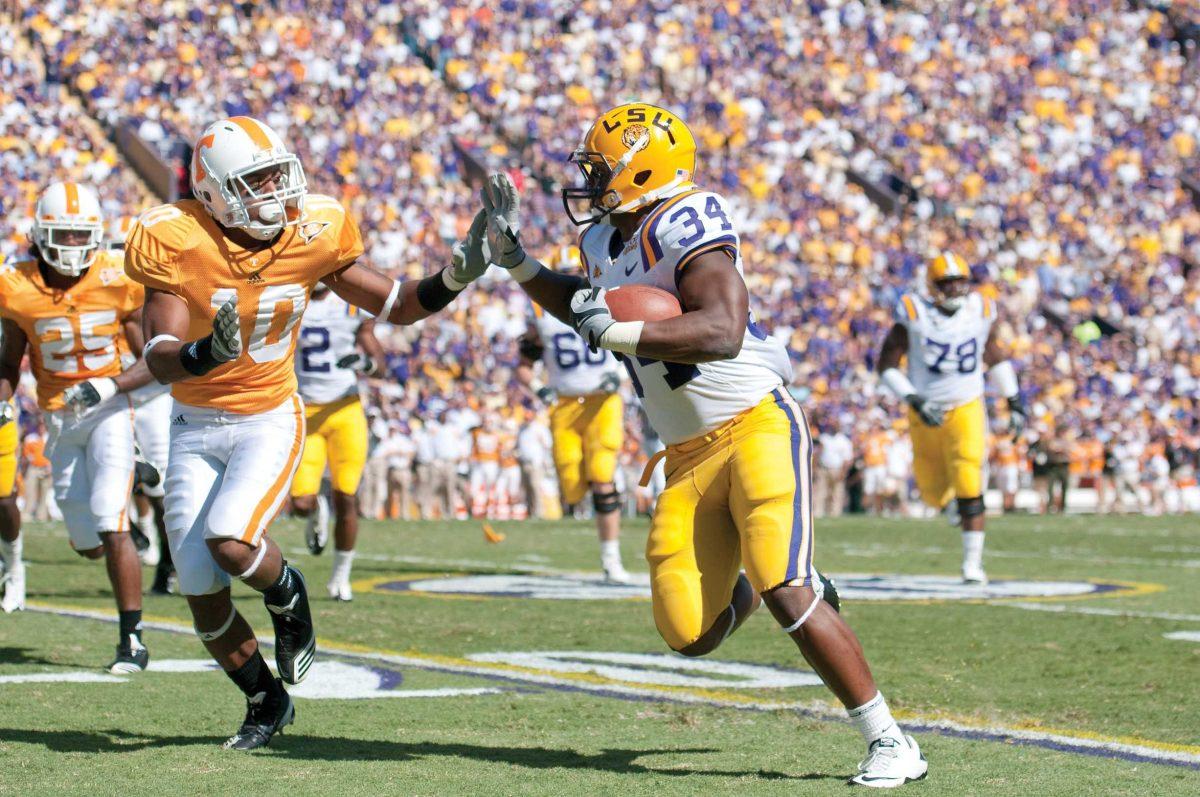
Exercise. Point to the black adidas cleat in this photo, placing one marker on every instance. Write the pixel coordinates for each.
(266, 715)
(295, 639)
(131, 658)
(830, 593)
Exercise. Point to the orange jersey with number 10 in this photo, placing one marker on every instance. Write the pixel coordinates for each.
(73, 334)
(180, 249)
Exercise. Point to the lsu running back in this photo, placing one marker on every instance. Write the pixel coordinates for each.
(948, 336)
(714, 385)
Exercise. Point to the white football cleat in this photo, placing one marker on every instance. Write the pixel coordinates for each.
(316, 531)
(153, 553)
(973, 574)
(615, 572)
(339, 589)
(14, 589)
(890, 763)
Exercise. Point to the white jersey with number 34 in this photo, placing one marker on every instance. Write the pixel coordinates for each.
(685, 401)
(945, 352)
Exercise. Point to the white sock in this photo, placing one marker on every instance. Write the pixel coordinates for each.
(874, 720)
(11, 551)
(146, 523)
(342, 560)
(972, 548)
(610, 551)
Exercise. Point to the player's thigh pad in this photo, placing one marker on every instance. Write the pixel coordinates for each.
(67, 448)
(8, 458)
(264, 454)
(110, 469)
(692, 548)
(348, 439)
(603, 437)
(193, 477)
(929, 462)
(966, 428)
(568, 449)
(315, 454)
(770, 493)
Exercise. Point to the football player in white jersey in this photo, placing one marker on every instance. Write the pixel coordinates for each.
(948, 336)
(587, 423)
(337, 344)
(713, 384)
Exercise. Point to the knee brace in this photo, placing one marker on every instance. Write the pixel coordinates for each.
(209, 636)
(818, 588)
(970, 507)
(606, 502)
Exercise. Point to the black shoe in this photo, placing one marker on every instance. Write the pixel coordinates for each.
(132, 657)
(295, 640)
(162, 581)
(266, 715)
(830, 595)
(145, 473)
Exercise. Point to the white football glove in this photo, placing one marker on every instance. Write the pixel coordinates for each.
(89, 393)
(502, 204)
(590, 315)
(469, 258)
(227, 332)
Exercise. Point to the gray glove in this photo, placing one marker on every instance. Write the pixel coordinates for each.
(590, 315)
(547, 394)
(359, 363)
(227, 332)
(469, 257)
(502, 204)
(611, 383)
(930, 413)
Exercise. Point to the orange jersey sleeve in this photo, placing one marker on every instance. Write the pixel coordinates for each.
(180, 249)
(73, 334)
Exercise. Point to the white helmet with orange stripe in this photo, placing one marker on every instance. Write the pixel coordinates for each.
(948, 281)
(68, 227)
(246, 178)
(118, 231)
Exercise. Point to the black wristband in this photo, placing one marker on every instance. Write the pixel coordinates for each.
(433, 294)
(197, 357)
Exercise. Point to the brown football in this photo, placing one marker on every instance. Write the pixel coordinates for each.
(641, 303)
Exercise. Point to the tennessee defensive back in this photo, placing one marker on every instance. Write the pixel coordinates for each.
(228, 276)
(69, 306)
(713, 384)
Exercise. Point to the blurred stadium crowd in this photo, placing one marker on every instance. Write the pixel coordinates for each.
(1049, 142)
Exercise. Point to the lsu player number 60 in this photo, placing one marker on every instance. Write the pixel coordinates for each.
(713, 384)
(949, 335)
(228, 276)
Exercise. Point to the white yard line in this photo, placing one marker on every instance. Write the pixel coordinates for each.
(1081, 743)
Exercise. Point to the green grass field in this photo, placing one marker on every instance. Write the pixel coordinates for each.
(426, 692)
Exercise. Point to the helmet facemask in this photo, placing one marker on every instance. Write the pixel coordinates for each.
(68, 247)
(950, 293)
(597, 174)
(263, 198)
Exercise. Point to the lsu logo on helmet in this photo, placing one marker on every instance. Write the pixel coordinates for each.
(632, 156)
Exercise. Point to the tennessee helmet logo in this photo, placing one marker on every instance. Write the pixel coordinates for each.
(197, 166)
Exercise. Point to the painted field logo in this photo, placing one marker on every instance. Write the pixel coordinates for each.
(851, 586)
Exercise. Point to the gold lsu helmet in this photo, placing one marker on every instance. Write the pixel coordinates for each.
(948, 280)
(632, 156)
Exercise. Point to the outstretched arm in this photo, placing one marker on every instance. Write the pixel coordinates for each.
(99, 389)
(406, 303)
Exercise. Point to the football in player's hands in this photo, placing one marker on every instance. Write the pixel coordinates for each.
(642, 303)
